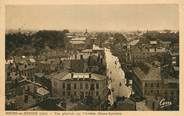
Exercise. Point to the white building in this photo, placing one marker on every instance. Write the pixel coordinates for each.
(78, 85)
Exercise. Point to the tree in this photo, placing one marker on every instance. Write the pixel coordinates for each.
(31, 44)
(66, 31)
(119, 38)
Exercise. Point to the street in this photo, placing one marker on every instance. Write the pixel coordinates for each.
(117, 77)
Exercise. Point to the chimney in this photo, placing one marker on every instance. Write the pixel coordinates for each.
(89, 75)
(81, 57)
(71, 75)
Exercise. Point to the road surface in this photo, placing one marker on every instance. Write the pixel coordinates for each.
(117, 77)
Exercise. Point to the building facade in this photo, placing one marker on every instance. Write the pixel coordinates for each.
(78, 85)
(155, 87)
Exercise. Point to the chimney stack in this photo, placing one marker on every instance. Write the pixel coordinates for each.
(72, 75)
(89, 75)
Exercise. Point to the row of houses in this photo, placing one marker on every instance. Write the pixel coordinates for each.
(141, 52)
(150, 83)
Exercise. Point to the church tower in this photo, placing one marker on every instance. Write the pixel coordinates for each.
(86, 32)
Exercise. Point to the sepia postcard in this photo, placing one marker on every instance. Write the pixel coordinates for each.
(91, 58)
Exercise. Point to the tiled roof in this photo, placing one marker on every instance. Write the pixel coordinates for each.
(134, 42)
(39, 74)
(78, 39)
(42, 91)
(77, 42)
(95, 47)
(87, 50)
(68, 76)
(153, 42)
(77, 65)
(153, 74)
(32, 60)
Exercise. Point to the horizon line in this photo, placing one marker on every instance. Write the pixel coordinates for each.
(92, 30)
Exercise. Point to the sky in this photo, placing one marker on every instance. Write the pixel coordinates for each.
(93, 17)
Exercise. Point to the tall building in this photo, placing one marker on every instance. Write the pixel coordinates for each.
(78, 85)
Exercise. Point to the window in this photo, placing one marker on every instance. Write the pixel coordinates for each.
(145, 92)
(81, 56)
(151, 91)
(97, 93)
(54, 91)
(92, 87)
(68, 93)
(75, 93)
(157, 91)
(172, 93)
(68, 86)
(82, 94)
(81, 86)
(63, 85)
(86, 86)
(145, 85)
(63, 93)
(158, 85)
(151, 84)
(97, 86)
(86, 94)
(75, 86)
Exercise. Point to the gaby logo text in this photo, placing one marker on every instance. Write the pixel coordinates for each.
(164, 103)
